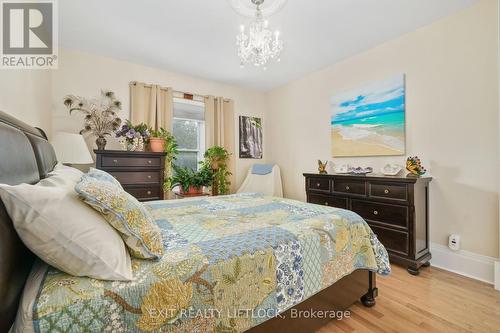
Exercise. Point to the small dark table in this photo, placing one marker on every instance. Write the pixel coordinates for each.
(395, 207)
(140, 173)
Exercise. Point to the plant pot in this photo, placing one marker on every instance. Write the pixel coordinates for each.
(192, 190)
(157, 145)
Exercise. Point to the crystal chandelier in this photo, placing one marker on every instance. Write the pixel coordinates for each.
(260, 44)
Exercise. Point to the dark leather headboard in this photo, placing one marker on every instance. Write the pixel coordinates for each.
(25, 157)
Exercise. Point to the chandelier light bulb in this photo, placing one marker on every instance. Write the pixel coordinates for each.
(242, 28)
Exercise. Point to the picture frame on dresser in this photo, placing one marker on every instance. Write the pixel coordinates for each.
(141, 173)
(395, 207)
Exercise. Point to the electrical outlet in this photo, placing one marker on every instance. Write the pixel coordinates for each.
(454, 242)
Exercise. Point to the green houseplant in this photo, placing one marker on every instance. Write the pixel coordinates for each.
(163, 140)
(190, 181)
(216, 159)
(158, 139)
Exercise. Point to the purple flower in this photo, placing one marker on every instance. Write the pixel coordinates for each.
(131, 134)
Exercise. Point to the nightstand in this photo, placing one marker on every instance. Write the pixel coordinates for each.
(140, 173)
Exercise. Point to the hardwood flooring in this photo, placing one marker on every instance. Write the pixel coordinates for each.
(434, 301)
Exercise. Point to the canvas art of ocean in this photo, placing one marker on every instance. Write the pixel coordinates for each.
(370, 121)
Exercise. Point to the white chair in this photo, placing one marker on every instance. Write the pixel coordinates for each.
(264, 179)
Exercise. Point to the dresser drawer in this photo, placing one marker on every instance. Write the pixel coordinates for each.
(114, 161)
(349, 186)
(393, 215)
(393, 240)
(136, 177)
(328, 201)
(145, 193)
(319, 184)
(388, 191)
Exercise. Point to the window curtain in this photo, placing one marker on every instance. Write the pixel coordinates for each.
(219, 129)
(152, 105)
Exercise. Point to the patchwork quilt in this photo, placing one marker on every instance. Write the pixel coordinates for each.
(230, 263)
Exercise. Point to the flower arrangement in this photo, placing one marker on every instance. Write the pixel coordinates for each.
(133, 137)
(100, 114)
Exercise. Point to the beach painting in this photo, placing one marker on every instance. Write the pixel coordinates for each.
(370, 121)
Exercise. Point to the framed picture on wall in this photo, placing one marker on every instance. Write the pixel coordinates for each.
(250, 137)
(370, 120)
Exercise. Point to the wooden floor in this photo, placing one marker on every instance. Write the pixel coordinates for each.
(434, 301)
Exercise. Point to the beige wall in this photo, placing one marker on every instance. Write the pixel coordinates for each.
(25, 94)
(84, 74)
(452, 121)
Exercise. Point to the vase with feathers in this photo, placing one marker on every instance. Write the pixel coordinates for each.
(100, 114)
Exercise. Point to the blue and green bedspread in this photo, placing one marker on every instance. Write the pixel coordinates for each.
(231, 262)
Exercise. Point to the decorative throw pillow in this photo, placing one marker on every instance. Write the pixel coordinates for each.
(125, 214)
(65, 232)
(104, 176)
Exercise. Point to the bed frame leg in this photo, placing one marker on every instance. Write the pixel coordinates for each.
(368, 299)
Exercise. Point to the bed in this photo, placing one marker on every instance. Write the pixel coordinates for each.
(232, 263)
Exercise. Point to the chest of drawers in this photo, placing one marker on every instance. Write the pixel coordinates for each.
(395, 207)
(140, 173)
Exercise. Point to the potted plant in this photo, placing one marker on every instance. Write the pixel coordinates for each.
(189, 181)
(100, 114)
(158, 139)
(216, 158)
(163, 141)
(133, 137)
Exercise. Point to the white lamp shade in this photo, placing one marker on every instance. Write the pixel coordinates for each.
(71, 148)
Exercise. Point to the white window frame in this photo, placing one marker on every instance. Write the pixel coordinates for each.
(201, 144)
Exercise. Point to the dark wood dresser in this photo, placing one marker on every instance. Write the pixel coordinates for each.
(395, 207)
(140, 173)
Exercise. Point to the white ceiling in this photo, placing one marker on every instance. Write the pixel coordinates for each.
(197, 37)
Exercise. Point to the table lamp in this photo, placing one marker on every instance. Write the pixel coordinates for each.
(71, 148)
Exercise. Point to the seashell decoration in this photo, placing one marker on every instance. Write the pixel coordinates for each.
(391, 169)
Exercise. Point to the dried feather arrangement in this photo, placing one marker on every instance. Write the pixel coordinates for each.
(100, 114)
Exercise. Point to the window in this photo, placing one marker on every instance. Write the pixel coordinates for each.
(189, 131)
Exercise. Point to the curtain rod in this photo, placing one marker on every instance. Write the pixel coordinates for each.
(185, 95)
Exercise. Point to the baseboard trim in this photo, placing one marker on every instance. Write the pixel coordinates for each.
(497, 275)
(470, 264)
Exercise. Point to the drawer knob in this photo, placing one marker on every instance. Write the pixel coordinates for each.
(149, 192)
(347, 188)
(149, 162)
(115, 161)
(318, 184)
(326, 203)
(386, 191)
(375, 212)
(149, 176)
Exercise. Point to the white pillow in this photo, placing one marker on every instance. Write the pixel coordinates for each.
(64, 231)
(68, 175)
